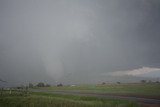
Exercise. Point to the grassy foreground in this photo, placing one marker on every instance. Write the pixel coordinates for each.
(58, 100)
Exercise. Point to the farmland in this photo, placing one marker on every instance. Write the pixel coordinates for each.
(136, 88)
(57, 100)
(48, 97)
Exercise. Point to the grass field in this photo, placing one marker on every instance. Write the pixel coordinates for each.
(56, 100)
(38, 99)
(145, 89)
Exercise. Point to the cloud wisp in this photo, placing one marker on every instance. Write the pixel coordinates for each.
(134, 72)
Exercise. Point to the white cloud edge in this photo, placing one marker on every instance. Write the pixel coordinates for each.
(133, 72)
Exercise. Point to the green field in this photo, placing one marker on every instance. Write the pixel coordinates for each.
(145, 89)
(18, 99)
(24, 98)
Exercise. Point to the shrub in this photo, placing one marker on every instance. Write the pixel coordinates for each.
(41, 84)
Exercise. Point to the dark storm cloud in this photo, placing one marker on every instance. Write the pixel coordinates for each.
(54, 40)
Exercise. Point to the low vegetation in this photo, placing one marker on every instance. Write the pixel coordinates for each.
(137, 88)
(22, 99)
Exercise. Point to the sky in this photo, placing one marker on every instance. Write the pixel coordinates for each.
(76, 41)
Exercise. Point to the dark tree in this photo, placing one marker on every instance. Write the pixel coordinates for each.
(41, 84)
(103, 83)
(59, 85)
(118, 82)
(143, 81)
(47, 85)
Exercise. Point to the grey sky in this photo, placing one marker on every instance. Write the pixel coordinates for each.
(52, 40)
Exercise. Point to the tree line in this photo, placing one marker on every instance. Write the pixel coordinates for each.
(40, 84)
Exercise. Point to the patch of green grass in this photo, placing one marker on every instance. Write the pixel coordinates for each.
(146, 89)
(38, 99)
